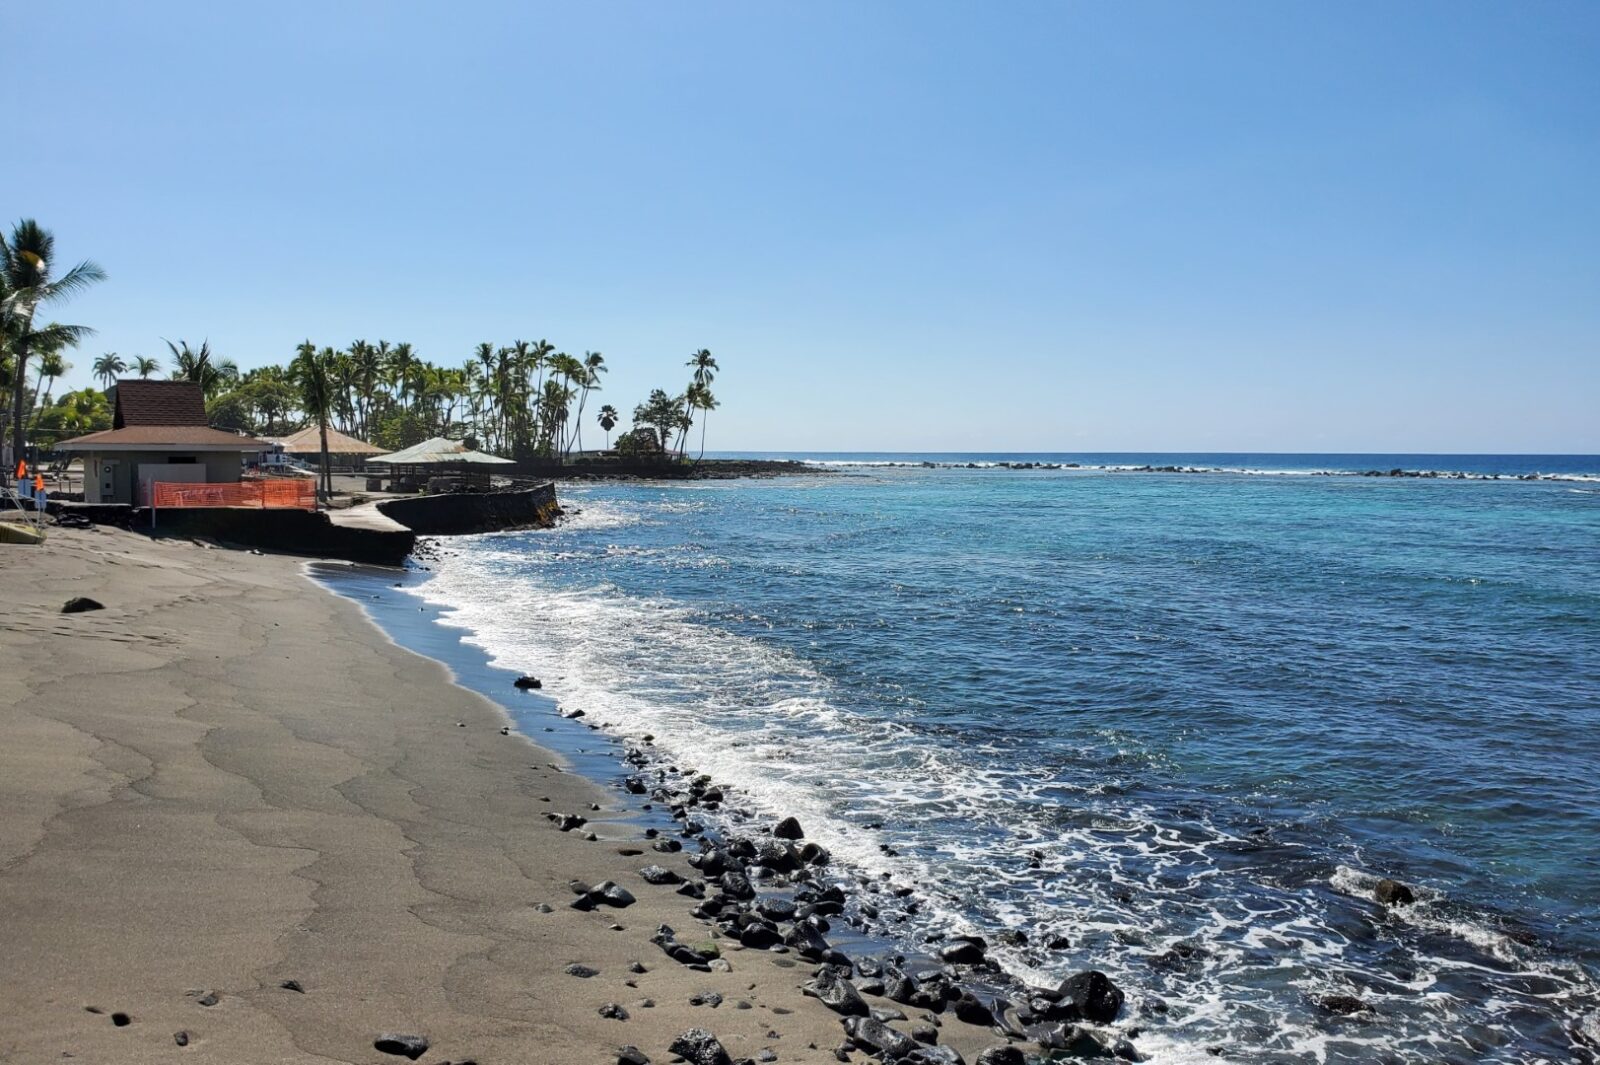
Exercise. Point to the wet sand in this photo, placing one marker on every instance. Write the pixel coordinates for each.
(229, 779)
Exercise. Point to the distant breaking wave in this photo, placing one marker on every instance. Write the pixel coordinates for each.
(1443, 475)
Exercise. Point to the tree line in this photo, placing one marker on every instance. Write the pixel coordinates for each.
(523, 400)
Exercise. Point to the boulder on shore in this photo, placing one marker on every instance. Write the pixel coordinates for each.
(837, 993)
(1092, 996)
(699, 1047)
(79, 604)
(401, 1045)
(788, 828)
(526, 682)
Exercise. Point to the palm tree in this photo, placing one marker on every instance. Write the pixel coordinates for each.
(559, 398)
(553, 408)
(705, 367)
(369, 363)
(608, 422)
(199, 366)
(144, 366)
(107, 367)
(539, 359)
(705, 370)
(84, 411)
(594, 364)
(51, 366)
(701, 399)
(27, 261)
(403, 363)
(312, 374)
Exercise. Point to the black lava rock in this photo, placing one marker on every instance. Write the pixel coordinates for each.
(837, 993)
(965, 950)
(1092, 996)
(878, 1038)
(1343, 1005)
(632, 1055)
(970, 1009)
(934, 1055)
(1000, 1055)
(80, 604)
(612, 1011)
(527, 683)
(401, 1045)
(699, 1047)
(655, 874)
(1393, 893)
(788, 828)
(582, 972)
(759, 936)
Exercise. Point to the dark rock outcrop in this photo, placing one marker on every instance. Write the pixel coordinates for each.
(79, 604)
(1393, 893)
(1342, 1005)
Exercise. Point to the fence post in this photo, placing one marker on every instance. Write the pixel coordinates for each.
(152, 506)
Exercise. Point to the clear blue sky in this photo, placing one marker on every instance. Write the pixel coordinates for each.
(1252, 226)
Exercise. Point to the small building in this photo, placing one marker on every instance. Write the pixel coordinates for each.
(439, 464)
(343, 449)
(158, 433)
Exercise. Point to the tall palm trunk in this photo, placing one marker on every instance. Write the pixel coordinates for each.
(37, 387)
(327, 471)
(19, 370)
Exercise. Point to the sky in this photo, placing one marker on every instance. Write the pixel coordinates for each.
(1057, 226)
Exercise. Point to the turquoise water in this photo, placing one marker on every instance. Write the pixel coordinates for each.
(1183, 721)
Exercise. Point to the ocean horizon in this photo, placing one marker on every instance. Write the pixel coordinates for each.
(1173, 727)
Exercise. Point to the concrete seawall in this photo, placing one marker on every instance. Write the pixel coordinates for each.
(316, 534)
(295, 532)
(475, 512)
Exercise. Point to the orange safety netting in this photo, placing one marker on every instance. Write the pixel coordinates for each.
(274, 493)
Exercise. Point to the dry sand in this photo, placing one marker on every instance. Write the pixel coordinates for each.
(229, 778)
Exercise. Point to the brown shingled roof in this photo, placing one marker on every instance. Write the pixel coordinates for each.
(140, 402)
(161, 438)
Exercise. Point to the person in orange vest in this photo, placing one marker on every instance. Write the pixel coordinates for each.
(39, 497)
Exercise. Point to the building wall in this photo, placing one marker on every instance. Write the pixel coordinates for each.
(121, 476)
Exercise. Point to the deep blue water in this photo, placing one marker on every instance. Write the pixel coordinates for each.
(1141, 711)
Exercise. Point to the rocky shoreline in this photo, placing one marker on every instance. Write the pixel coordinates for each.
(763, 885)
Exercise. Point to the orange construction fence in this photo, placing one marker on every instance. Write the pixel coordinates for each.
(298, 493)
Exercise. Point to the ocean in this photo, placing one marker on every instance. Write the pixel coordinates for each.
(1173, 726)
